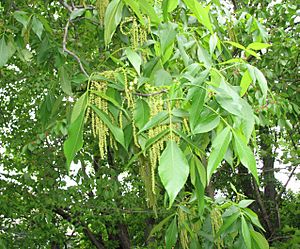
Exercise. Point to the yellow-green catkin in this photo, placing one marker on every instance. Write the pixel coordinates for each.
(101, 6)
(216, 223)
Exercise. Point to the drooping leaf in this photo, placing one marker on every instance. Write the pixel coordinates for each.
(171, 234)
(3, 52)
(157, 119)
(245, 232)
(65, 81)
(245, 83)
(201, 13)
(197, 101)
(79, 107)
(141, 113)
(22, 17)
(160, 225)
(74, 141)
(219, 148)
(173, 170)
(259, 240)
(112, 18)
(213, 41)
(261, 80)
(115, 130)
(134, 59)
(253, 217)
(37, 27)
(245, 154)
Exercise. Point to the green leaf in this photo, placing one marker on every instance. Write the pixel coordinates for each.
(204, 56)
(112, 18)
(246, 233)
(197, 101)
(206, 123)
(171, 234)
(167, 34)
(168, 6)
(258, 46)
(148, 10)
(4, 56)
(115, 130)
(245, 203)
(156, 120)
(219, 148)
(141, 113)
(260, 240)
(162, 78)
(213, 41)
(74, 141)
(134, 59)
(173, 170)
(37, 27)
(65, 81)
(201, 13)
(261, 80)
(228, 221)
(134, 5)
(22, 17)
(235, 44)
(79, 107)
(160, 225)
(245, 154)
(253, 217)
(245, 83)
(76, 13)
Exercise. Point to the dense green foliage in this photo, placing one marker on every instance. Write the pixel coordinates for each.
(148, 124)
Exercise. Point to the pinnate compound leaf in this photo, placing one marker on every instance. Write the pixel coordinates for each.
(115, 130)
(245, 154)
(112, 18)
(219, 148)
(173, 170)
(246, 233)
(171, 234)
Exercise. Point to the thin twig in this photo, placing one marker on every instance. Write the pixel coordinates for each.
(67, 6)
(70, 52)
(150, 94)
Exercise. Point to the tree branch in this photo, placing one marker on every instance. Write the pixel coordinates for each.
(70, 52)
(67, 6)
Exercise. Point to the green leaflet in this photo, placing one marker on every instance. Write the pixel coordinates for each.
(115, 130)
(76, 13)
(173, 170)
(228, 221)
(168, 6)
(74, 141)
(141, 113)
(219, 148)
(259, 240)
(246, 232)
(245, 203)
(65, 81)
(79, 106)
(197, 101)
(160, 225)
(253, 217)
(201, 13)
(3, 52)
(167, 34)
(245, 83)
(134, 59)
(258, 46)
(134, 5)
(112, 18)
(261, 80)
(157, 119)
(206, 123)
(37, 27)
(148, 10)
(171, 234)
(245, 154)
